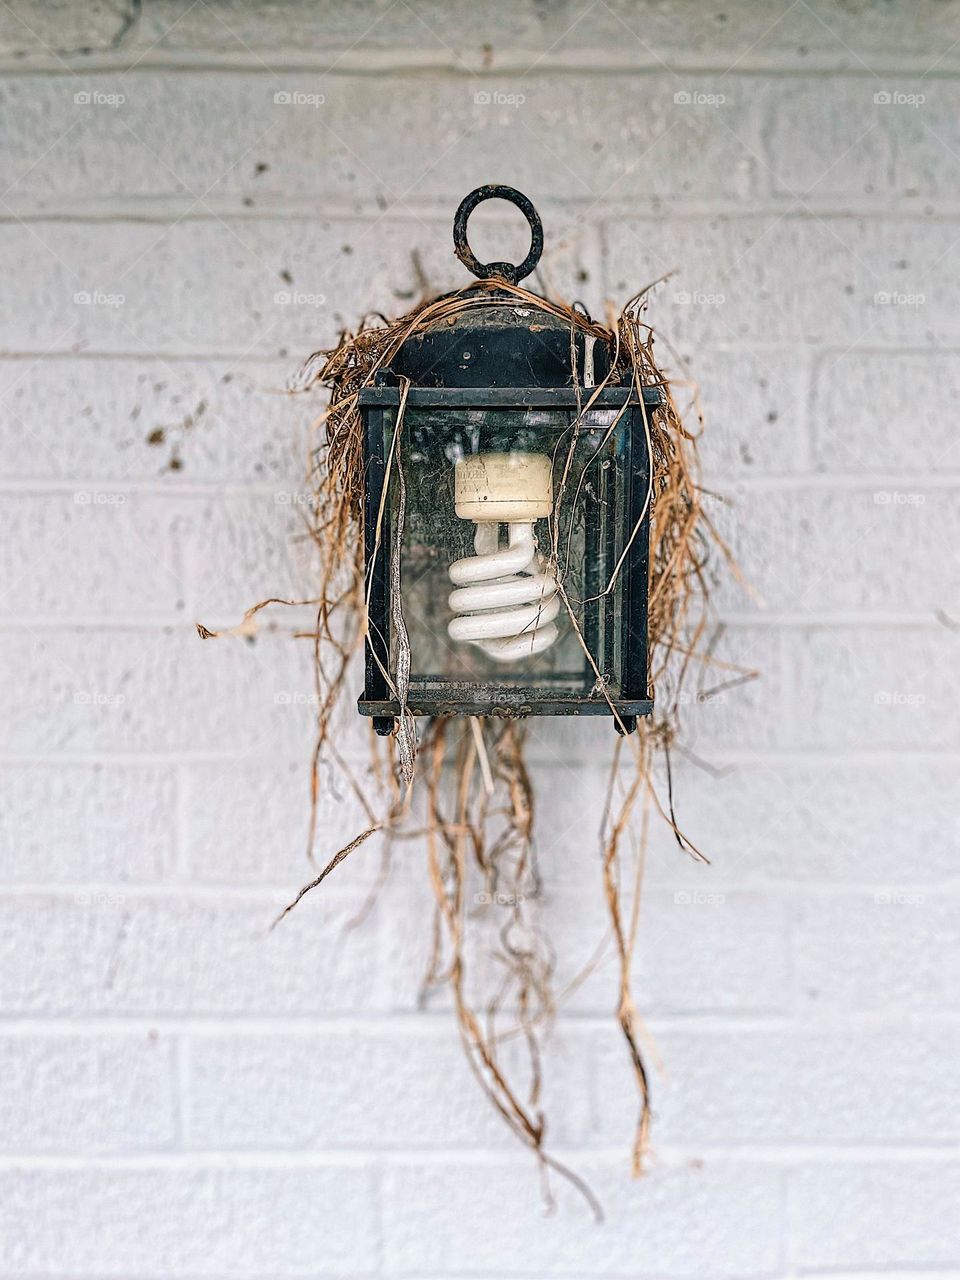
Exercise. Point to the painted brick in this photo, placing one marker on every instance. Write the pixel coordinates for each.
(886, 135)
(787, 278)
(143, 420)
(332, 29)
(848, 152)
(886, 414)
(876, 1215)
(689, 956)
(486, 32)
(310, 135)
(623, 33)
(110, 951)
(82, 1094)
(741, 701)
(117, 554)
(753, 410)
(809, 551)
(826, 33)
(786, 821)
(185, 1221)
(330, 1091)
(248, 823)
(890, 949)
(872, 822)
(886, 687)
(282, 287)
(76, 822)
(162, 690)
(240, 550)
(31, 28)
(803, 1086)
(674, 1224)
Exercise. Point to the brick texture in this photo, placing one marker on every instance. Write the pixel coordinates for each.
(198, 196)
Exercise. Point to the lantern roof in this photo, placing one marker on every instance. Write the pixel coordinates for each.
(502, 343)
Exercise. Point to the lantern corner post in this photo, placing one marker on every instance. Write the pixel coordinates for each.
(637, 574)
(375, 560)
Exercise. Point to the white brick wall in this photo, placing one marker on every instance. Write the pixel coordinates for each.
(187, 1095)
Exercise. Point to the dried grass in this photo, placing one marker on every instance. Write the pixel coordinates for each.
(478, 795)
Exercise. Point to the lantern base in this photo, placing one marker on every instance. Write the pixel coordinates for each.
(385, 713)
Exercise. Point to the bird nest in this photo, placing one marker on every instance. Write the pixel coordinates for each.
(462, 787)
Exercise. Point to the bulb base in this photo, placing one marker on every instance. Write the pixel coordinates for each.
(509, 488)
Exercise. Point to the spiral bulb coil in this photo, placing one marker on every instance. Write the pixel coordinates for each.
(506, 602)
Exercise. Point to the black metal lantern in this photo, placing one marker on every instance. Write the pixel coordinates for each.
(507, 520)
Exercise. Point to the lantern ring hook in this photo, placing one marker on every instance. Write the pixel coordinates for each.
(509, 271)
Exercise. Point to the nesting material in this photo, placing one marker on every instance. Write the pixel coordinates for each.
(464, 792)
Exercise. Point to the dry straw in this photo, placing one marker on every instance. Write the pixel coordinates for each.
(464, 791)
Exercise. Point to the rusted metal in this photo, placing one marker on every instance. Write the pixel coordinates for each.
(509, 397)
(574, 705)
(512, 272)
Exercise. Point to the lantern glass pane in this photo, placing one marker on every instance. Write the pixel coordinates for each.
(581, 544)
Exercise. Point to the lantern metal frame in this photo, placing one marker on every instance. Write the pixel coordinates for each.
(438, 381)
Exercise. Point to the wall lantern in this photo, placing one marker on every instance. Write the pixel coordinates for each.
(508, 516)
(506, 519)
